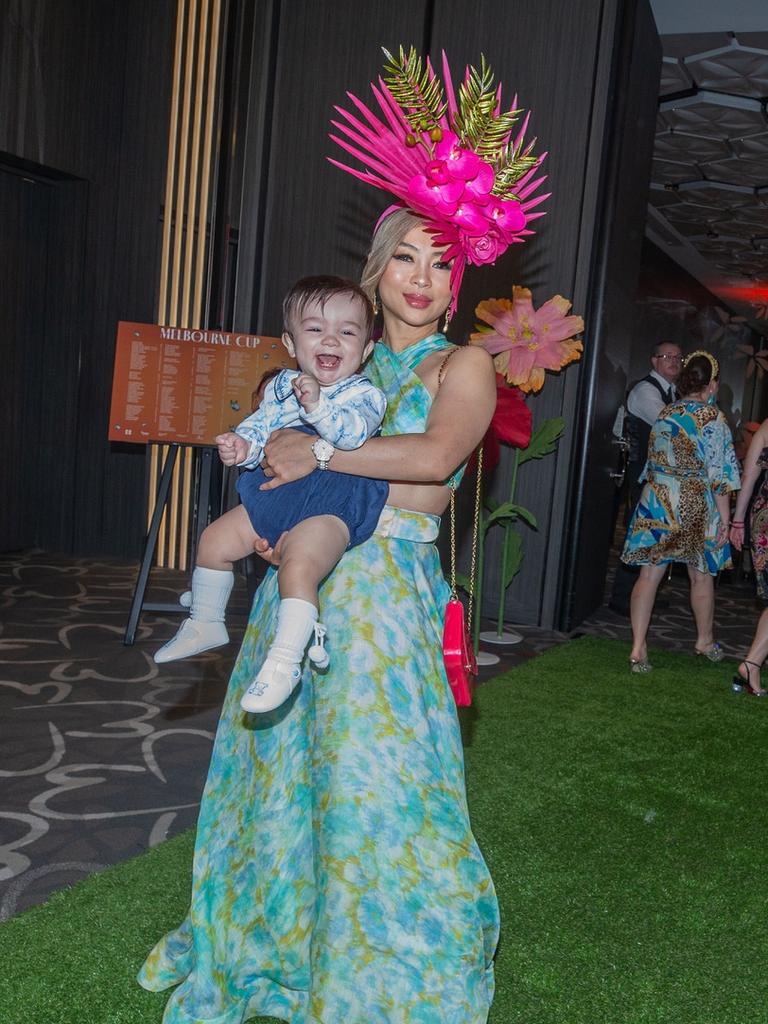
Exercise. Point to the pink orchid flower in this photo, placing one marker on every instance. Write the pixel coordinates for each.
(508, 216)
(462, 164)
(438, 199)
(470, 218)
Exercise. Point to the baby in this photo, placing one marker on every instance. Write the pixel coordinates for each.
(327, 325)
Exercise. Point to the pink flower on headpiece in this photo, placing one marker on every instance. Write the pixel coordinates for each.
(480, 186)
(437, 172)
(470, 217)
(484, 248)
(508, 217)
(462, 164)
(440, 199)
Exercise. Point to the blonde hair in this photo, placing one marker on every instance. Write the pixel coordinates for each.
(386, 238)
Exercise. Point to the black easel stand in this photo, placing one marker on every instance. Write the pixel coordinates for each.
(138, 604)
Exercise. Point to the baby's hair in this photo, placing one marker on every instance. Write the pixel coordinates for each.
(320, 289)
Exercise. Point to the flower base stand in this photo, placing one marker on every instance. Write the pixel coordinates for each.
(506, 638)
(486, 658)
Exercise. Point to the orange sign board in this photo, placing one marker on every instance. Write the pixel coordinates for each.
(184, 385)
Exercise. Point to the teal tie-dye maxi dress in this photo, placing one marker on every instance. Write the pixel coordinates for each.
(336, 878)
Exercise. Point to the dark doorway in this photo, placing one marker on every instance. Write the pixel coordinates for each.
(40, 285)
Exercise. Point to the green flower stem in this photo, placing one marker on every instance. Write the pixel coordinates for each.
(507, 528)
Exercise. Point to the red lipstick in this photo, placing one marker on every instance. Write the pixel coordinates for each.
(417, 301)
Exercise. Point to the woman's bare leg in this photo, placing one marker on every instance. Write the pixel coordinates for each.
(308, 552)
(757, 654)
(223, 542)
(703, 606)
(641, 607)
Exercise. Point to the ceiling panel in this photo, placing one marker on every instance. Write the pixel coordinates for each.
(710, 167)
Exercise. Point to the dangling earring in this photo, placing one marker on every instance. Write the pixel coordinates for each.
(448, 315)
(375, 304)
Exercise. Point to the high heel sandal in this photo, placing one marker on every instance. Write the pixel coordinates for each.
(639, 666)
(742, 685)
(714, 653)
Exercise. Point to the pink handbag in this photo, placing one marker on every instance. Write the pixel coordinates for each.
(458, 654)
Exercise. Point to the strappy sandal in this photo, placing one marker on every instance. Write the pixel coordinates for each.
(742, 685)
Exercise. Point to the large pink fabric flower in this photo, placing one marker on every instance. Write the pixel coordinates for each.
(525, 342)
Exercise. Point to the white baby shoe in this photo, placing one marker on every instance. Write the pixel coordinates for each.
(193, 637)
(273, 686)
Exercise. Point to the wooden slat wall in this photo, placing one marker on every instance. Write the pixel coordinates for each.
(185, 237)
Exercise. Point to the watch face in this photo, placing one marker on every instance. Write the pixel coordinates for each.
(323, 449)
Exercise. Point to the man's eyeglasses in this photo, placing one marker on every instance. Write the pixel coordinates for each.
(671, 359)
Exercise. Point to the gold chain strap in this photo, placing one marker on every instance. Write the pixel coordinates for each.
(475, 530)
(475, 525)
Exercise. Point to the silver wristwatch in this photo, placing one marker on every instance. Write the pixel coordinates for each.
(323, 452)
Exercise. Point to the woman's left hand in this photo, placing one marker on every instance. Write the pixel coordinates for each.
(722, 535)
(288, 456)
(737, 535)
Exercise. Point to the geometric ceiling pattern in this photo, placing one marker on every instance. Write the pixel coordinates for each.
(710, 165)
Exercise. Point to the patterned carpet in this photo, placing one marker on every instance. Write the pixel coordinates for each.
(103, 753)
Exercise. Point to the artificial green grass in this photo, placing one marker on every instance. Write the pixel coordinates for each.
(622, 818)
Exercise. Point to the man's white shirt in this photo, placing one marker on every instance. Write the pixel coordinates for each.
(645, 401)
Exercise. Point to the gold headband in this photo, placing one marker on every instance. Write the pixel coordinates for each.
(707, 355)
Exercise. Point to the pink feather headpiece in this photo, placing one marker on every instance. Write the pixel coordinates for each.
(456, 162)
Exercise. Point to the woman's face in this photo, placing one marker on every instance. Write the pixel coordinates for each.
(416, 284)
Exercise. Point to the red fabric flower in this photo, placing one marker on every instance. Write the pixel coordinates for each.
(512, 424)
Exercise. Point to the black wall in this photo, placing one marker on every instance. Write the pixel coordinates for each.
(84, 95)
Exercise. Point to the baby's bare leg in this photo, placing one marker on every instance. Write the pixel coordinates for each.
(228, 539)
(309, 552)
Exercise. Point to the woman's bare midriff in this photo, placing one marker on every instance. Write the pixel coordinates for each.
(432, 498)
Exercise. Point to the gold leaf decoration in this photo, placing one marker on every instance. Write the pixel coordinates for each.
(481, 129)
(511, 167)
(477, 125)
(418, 93)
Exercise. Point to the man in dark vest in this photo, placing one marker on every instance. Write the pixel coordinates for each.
(645, 401)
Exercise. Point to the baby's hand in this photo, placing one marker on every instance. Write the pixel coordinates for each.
(232, 448)
(307, 391)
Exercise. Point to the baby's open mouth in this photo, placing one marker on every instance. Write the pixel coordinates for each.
(327, 362)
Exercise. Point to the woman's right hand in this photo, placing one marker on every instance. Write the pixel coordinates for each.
(269, 554)
(288, 456)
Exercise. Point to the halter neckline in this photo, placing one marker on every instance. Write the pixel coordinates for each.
(413, 354)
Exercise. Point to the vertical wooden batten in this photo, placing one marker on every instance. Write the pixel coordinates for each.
(185, 238)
